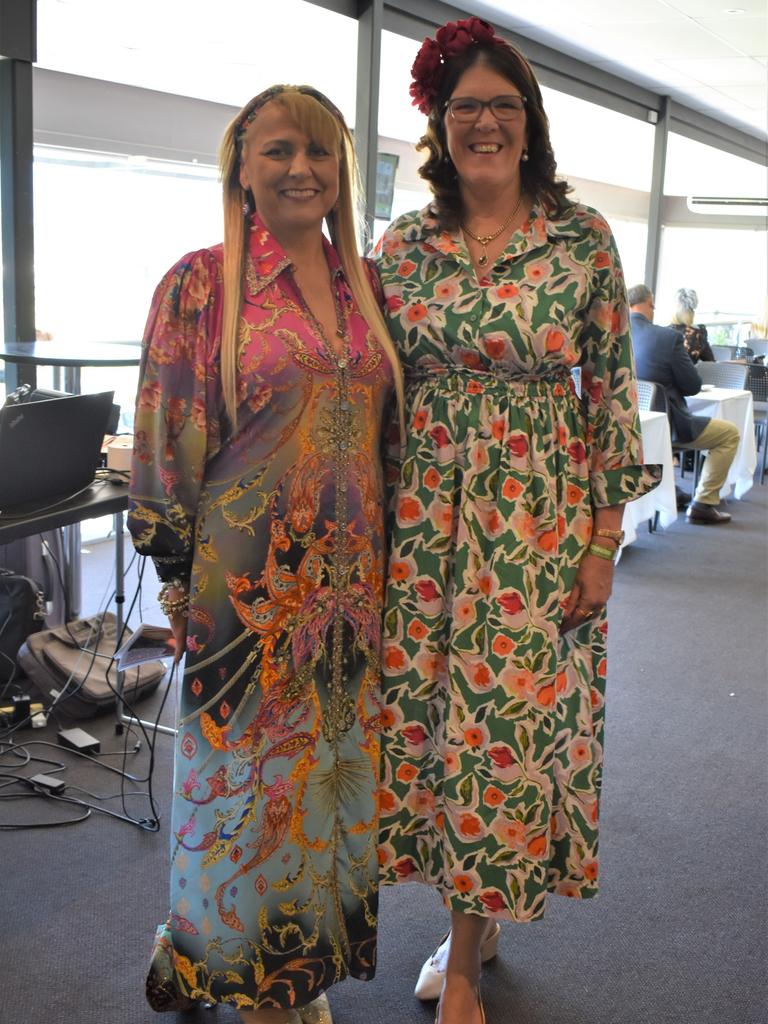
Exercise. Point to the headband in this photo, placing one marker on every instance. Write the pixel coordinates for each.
(428, 69)
(263, 98)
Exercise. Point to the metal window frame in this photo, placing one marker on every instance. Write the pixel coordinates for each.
(18, 50)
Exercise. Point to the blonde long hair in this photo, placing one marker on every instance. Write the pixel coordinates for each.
(321, 121)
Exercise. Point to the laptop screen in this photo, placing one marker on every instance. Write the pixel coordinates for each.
(50, 449)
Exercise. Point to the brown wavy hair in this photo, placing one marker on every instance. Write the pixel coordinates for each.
(537, 172)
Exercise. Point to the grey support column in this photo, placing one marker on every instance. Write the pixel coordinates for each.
(655, 208)
(17, 52)
(369, 23)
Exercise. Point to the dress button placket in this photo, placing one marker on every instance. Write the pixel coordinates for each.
(340, 712)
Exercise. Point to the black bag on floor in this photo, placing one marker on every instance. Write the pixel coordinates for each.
(77, 656)
(22, 612)
(38, 557)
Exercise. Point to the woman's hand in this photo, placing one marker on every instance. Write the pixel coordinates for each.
(178, 624)
(591, 590)
(174, 602)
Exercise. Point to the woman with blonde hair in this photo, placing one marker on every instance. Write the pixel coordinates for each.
(694, 336)
(257, 490)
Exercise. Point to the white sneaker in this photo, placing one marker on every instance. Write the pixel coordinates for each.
(430, 983)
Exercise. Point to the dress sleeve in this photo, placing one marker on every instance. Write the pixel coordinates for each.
(369, 266)
(609, 386)
(177, 423)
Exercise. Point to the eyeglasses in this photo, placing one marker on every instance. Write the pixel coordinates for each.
(503, 108)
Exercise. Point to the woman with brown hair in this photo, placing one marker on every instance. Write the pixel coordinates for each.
(257, 490)
(507, 513)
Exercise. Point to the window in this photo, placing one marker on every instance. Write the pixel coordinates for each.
(694, 169)
(401, 125)
(187, 48)
(726, 264)
(106, 230)
(597, 144)
(631, 240)
(728, 269)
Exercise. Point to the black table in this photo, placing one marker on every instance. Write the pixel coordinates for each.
(101, 499)
(71, 357)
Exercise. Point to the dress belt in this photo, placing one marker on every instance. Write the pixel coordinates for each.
(468, 380)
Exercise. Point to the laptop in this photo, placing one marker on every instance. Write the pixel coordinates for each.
(49, 450)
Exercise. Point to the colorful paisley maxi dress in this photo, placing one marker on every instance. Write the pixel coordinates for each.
(493, 727)
(274, 830)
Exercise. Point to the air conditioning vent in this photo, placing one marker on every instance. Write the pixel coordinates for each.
(755, 206)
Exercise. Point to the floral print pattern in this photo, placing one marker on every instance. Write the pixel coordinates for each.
(273, 868)
(493, 722)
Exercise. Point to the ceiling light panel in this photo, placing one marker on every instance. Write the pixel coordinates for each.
(748, 35)
(716, 8)
(727, 71)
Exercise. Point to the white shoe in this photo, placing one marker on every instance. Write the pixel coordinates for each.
(430, 983)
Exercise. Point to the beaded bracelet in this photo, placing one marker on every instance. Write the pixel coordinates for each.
(177, 605)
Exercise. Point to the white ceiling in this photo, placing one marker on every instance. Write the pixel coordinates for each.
(711, 55)
(713, 61)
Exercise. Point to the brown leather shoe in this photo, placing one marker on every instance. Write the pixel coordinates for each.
(708, 514)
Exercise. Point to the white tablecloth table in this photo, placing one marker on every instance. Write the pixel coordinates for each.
(657, 448)
(736, 407)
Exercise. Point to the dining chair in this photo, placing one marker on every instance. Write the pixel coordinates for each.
(759, 346)
(757, 383)
(660, 403)
(724, 375)
(646, 395)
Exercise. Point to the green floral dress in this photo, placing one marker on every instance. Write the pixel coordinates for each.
(493, 722)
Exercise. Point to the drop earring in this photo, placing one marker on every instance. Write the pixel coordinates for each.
(524, 157)
(245, 208)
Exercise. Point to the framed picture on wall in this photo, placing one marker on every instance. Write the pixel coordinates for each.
(386, 169)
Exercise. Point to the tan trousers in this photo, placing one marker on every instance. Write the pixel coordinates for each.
(720, 439)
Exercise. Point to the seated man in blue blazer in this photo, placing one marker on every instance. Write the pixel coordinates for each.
(661, 357)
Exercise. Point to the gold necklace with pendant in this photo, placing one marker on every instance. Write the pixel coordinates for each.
(485, 239)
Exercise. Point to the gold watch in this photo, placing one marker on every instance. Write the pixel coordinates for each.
(615, 535)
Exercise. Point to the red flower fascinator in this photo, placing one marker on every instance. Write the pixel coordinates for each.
(451, 40)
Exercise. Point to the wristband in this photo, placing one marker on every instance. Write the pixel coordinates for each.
(599, 551)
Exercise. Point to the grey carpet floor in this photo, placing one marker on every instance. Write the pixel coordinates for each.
(678, 934)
